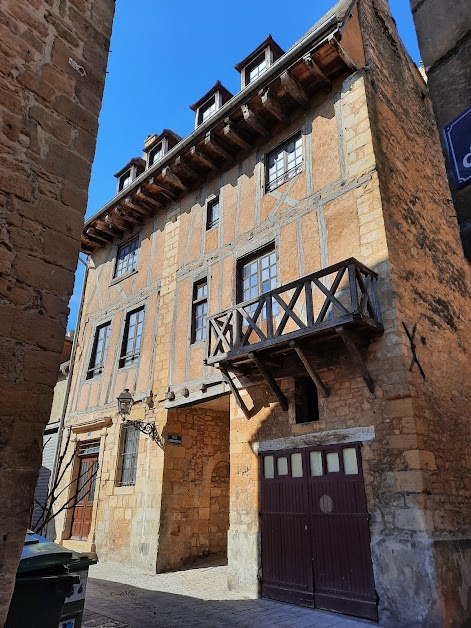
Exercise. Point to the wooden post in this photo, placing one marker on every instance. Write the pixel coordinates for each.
(271, 381)
(312, 372)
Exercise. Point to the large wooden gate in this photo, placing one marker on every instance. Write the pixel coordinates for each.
(315, 534)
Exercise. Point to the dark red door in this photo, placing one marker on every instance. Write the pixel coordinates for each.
(83, 509)
(324, 559)
(286, 560)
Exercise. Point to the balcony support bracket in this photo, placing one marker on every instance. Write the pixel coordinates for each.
(321, 387)
(356, 356)
(270, 380)
(229, 381)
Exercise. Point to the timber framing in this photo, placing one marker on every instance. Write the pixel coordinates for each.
(244, 121)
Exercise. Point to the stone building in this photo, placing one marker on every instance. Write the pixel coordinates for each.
(51, 439)
(444, 33)
(283, 294)
(52, 70)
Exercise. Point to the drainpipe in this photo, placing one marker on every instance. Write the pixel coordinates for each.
(69, 378)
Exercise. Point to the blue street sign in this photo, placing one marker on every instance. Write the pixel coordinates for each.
(458, 142)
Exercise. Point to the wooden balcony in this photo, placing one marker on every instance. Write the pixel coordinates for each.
(339, 301)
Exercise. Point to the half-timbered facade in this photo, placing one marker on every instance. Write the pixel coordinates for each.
(266, 290)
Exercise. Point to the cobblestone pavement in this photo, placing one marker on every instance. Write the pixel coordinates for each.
(120, 597)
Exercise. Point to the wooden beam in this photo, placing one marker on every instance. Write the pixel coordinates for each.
(270, 380)
(272, 105)
(217, 146)
(172, 178)
(135, 220)
(346, 58)
(110, 228)
(148, 198)
(119, 220)
(309, 368)
(87, 247)
(315, 71)
(240, 402)
(139, 209)
(162, 188)
(186, 169)
(95, 239)
(356, 356)
(294, 88)
(254, 121)
(194, 152)
(236, 136)
(106, 238)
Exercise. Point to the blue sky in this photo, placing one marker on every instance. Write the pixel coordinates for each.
(165, 55)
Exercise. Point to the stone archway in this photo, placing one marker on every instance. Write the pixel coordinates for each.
(219, 508)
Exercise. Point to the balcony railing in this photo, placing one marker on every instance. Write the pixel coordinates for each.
(341, 295)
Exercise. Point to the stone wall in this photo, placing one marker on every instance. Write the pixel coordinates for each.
(430, 444)
(444, 33)
(52, 71)
(195, 499)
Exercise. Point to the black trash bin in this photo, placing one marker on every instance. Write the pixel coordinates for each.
(50, 586)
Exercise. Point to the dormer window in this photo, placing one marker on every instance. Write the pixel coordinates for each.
(130, 172)
(258, 61)
(210, 103)
(207, 110)
(155, 154)
(256, 69)
(125, 180)
(156, 146)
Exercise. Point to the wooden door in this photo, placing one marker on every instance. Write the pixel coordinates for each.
(340, 535)
(286, 559)
(314, 529)
(83, 509)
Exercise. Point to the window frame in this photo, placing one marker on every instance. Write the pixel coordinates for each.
(303, 405)
(287, 174)
(266, 249)
(212, 100)
(257, 62)
(195, 303)
(131, 359)
(126, 175)
(211, 223)
(135, 239)
(90, 373)
(123, 454)
(158, 148)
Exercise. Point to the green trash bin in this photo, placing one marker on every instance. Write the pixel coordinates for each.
(72, 611)
(50, 586)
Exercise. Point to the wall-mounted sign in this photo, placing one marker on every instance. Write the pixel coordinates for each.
(458, 142)
(174, 439)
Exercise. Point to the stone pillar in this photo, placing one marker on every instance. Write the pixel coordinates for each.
(52, 72)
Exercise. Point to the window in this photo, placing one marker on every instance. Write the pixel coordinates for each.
(212, 218)
(129, 453)
(256, 69)
(306, 400)
(207, 110)
(258, 275)
(100, 345)
(131, 348)
(199, 310)
(125, 180)
(156, 153)
(284, 162)
(126, 259)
